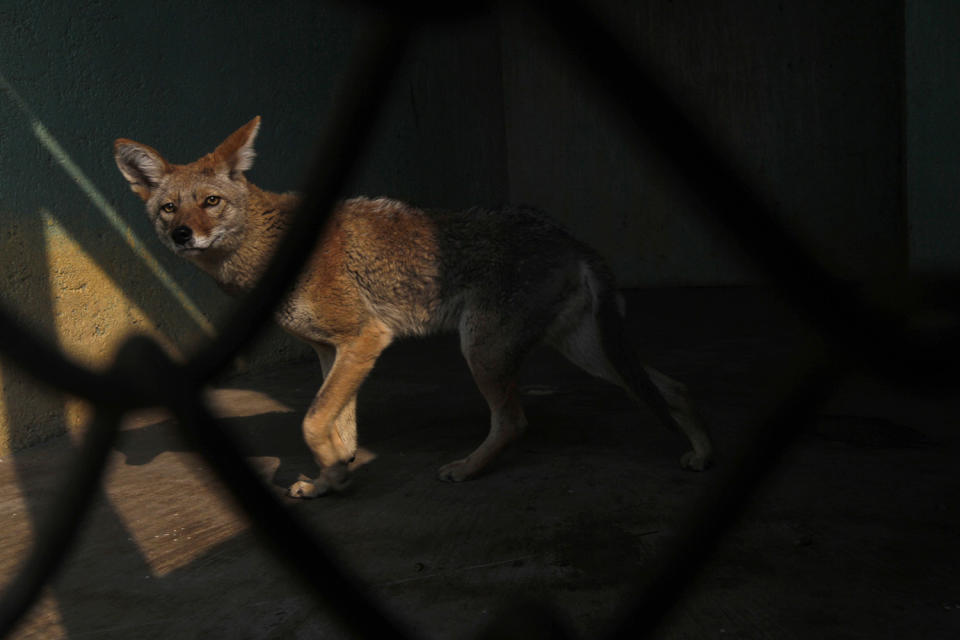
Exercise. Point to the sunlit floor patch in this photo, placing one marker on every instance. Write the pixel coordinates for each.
(196, 515)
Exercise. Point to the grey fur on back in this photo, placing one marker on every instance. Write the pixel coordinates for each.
(513, 261)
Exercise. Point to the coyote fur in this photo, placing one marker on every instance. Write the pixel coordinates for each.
(507, 279)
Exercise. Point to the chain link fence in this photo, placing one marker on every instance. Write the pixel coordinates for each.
(851, 330)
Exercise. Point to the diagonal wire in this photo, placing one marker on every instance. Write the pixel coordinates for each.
(302, 550)
(34, 355)
(364, 87)
(282, 531)
(354, 113)
(64, 520)
(840, 316)
(360, 101)
(740, 477)
(843, 319)
(341, 147)
(50, 143)
(869, 333)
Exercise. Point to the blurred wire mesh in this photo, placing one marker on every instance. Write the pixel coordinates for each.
(853, 329)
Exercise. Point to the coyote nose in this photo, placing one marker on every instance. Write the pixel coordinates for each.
(181, 234)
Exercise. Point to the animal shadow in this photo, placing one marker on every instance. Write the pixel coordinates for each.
(267, 431)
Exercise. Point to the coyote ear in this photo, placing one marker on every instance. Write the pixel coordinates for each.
(237, 150)
(142, 166)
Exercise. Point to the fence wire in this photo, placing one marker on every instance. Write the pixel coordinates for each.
(853, 329)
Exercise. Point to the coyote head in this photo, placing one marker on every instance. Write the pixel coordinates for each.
(198, 209)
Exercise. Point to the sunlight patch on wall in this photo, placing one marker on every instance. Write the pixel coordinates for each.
(91, 314)
(4, 420)
(109, 213)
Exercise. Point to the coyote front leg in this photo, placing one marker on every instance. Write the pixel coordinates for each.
(329, 427)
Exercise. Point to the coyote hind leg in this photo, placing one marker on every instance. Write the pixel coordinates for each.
(597, 344)
(494, 366)
(684, 416)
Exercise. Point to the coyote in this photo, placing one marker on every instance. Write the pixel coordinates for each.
(507, 279)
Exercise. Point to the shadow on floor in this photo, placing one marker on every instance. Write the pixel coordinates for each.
(855, 536)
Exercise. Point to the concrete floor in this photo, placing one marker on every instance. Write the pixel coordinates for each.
(855, 537)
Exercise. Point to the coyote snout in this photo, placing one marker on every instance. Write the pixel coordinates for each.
(181, 235)
(506, 279)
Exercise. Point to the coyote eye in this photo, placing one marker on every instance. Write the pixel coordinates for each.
(168, 208)
(212, 200)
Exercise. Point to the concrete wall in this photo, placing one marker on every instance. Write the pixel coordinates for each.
(77, 259)
(807, 95)
(933, 134)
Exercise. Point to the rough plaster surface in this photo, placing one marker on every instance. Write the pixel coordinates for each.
(807, 96)
(181, 77)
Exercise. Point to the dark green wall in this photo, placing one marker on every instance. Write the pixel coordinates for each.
(181, 76)
(807, 96)
(844, 114)
(78, 260)
(933, 134)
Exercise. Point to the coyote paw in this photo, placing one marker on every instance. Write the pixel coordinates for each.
(307, 488)
(693, 461)
(336, 477)
(456, 471)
